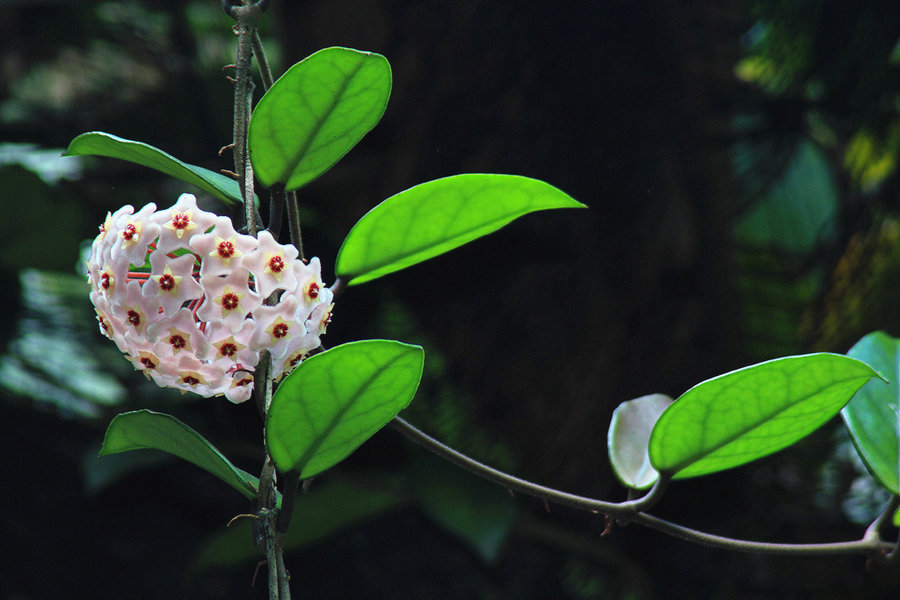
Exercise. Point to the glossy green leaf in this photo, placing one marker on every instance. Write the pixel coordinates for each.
(334, 401)
(328, 509)
(628, 436)
(873, 416)
(478, 512)
(315, 113)
(97, 143)
(435, 217)
(743, 415)
(147, 429)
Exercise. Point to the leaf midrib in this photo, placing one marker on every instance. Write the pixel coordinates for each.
(313, 448)
(314, 132)
(686, 463)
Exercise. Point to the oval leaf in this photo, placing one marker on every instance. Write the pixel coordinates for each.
(334, 401)
(629, 433)
(147, 429)
(97, 143)
(315, 113)
(435, 217)
(743, 415)
(873, 415)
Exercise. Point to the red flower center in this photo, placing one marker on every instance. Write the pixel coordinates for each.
(280, 330)
(166, 283)
(129, 232)
(177, 341)
(190, 380)
(228, 349)
(134, 317)
(180, 221)
(104, 281)
(230, 301)
(148, 362)
(225, 249)
(313, 291)
(276, 264)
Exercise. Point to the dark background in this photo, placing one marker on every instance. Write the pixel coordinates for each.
(648, 112)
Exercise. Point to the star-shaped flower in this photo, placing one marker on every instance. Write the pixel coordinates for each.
(228, 348)
(181, 222)
(240, 387)
(171, 281)
(277, 325)
(193, 375)
(103, 243)
(310, 279)
(135, 232)
(178, 333)
(272, 265)
(138, 310)
(222, 249)
(228, 299)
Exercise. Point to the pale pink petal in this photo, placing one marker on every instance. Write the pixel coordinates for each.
(276, 325)
(179, 223)
(135, 233)
(228, 299)
(240, 388)
(138, 311)
(309, 280)
(178, 333)
(272, 265)
(222, 249)
(232, 349)
(172, 281)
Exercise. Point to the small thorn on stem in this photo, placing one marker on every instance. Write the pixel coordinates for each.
(608, 523)
(241, 516)
(228, 173)
(227, 147)
(256, 572)
(546, 506)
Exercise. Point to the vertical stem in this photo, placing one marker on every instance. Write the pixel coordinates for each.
(293, 210)
(246, 16)
(264, 70)
(284, 580)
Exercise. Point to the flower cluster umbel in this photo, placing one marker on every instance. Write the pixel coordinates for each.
(191, 302)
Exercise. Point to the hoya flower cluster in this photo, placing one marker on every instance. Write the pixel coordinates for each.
(192, 302)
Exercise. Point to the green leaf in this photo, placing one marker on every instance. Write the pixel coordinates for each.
(873, 416)
(334, 401)
(97, 143)
(743, 415)
(629, 433)
(315, 113)
(147, 429)
(327, 510)
(478, 512)
(436, 217)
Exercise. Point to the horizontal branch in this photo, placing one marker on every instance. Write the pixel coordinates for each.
(632, 510)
